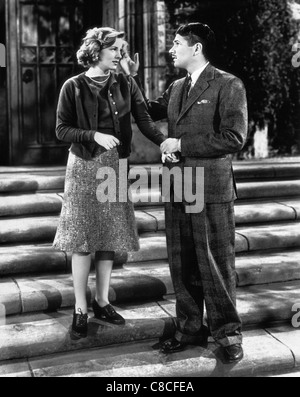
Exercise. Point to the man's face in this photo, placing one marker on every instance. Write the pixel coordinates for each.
(181, 53)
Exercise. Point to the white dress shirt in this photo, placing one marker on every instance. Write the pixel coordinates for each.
(194, 76)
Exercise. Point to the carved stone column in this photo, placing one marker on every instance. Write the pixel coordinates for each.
(110, 13)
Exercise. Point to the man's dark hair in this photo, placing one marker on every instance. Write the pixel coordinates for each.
(197, 32)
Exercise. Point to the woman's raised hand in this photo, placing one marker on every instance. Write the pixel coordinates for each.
(129, 66)
(107, 141)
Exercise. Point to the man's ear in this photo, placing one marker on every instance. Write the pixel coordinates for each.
(198, 49)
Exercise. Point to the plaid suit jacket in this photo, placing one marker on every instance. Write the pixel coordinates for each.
(212, 125)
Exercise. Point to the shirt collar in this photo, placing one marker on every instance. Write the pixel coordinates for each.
(195, 76)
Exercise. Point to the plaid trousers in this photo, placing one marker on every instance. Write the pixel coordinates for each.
(201, 252)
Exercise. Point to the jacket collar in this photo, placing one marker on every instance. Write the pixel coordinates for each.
(199, 88)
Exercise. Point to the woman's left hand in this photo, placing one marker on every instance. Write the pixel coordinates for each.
(129, 66)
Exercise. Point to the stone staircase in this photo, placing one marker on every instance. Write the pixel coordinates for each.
(36, 292)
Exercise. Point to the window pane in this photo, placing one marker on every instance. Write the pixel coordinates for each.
(29, 25)
(64, 29)
(46, 28)
(65, 55)
(47, 55)
(28, 55)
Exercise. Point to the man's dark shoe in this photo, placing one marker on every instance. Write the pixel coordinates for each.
(79, 327)
(107, 314)
(172, 346)
(233, 353)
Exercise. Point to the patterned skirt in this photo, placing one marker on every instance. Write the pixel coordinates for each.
(88, 225)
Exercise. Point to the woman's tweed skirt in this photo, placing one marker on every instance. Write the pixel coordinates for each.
(87, 225)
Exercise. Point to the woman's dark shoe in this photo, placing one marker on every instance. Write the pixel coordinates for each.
(79, 328)
(172, 346)
(107, 314)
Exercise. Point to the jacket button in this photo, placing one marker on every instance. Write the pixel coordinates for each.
(116, 113)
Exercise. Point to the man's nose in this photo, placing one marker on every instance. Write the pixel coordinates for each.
(171, 50)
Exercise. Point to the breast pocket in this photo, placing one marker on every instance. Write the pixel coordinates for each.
(202, 112)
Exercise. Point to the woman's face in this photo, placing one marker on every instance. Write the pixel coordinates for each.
(110, 57)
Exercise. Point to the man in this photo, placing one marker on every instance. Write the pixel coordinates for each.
(207, 117)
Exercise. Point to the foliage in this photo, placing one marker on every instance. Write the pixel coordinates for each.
(255, 40)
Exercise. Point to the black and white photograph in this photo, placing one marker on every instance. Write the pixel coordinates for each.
(149, 191)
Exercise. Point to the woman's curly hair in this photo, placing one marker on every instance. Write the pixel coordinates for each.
(94, 42)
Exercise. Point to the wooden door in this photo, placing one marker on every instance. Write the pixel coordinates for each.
(43, 38)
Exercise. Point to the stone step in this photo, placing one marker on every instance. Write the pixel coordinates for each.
(266, 169)
(151, 219)
(34, 170)
(272, 190)
(37, 179)
(28, 259)
(248, 239)
(39, 259)
(31, 258)
(133, 283)
(18, 183)
(30, 204)
(47, 333)
(243, 170)
(265, 354)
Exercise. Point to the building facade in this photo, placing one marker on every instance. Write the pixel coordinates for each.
(40, 38)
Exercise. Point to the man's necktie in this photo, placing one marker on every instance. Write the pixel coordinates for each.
(188, 86)
(186, 90)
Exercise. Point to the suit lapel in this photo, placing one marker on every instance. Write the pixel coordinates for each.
(177, 97)
(200, 87)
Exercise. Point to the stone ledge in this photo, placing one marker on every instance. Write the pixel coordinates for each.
(260, 303)
(264, 354)
(48, 336)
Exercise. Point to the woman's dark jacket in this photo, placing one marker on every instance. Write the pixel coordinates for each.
(78, 110)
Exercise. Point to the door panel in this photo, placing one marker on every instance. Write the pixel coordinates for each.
(47, 35)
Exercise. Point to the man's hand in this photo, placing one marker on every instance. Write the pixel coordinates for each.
(169, 158)
(170, 145)
(129, 66)
(107, 141)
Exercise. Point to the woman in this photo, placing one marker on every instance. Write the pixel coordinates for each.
(94, 115)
